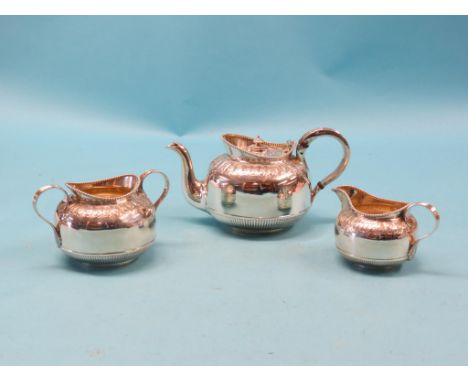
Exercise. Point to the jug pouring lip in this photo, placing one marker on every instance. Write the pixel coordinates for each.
(118, 187)
(366, 204)
(245, 147)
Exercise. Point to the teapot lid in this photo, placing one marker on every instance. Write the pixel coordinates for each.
(243, 147)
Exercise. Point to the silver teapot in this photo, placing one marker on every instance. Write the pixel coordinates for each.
(258, 186)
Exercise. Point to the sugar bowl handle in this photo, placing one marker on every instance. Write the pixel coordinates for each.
(304, 144)
(434, 212)
(36, 197)
(165, 189)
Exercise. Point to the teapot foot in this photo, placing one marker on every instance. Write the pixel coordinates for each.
(257, 226)
(253, 231)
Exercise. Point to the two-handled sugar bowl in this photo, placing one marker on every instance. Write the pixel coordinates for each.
(375, 231)
(105, 222)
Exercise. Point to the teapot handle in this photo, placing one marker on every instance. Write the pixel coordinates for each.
(434, 212)
(36, 197)
(307, 139)
(165, 189)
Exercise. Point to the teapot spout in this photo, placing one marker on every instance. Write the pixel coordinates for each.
(193, 188)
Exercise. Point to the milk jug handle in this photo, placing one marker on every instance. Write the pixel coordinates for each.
(165, 189)
(36, 197)
(304, 144)
(434, 212)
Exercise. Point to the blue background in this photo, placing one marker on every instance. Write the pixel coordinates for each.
(83, 98)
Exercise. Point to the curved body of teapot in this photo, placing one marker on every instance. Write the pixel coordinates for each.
(257, 186)
(105, 222)
(375, 231)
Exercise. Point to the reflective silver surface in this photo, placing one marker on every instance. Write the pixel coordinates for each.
(258, 186)
(105, 222)
(375, 231)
